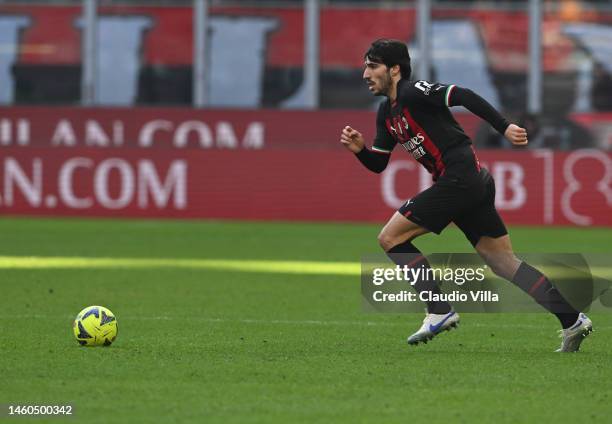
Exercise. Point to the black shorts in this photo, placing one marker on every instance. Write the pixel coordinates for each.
(468, 201)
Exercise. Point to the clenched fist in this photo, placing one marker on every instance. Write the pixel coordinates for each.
(352, 139)
(516, 135)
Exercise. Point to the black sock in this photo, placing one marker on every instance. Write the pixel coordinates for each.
(534, 283)
(407, 254)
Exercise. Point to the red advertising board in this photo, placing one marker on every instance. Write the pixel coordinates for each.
(186, 163)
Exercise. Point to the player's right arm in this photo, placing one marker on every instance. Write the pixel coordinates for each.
(377, 158)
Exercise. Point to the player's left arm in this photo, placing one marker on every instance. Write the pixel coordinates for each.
(458, 96)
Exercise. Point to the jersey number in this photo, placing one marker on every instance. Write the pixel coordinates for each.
(424, 86)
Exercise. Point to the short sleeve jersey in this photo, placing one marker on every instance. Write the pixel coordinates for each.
(421, 122)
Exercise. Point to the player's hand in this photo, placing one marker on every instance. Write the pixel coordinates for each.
(516, 135)
(352, 139)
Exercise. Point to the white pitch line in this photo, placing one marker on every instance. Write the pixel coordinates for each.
(212, 320)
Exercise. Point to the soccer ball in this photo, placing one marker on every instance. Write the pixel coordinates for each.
(95, 326)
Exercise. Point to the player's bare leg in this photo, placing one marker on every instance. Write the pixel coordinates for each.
(396, 240)
(498, 254)
(397, 231)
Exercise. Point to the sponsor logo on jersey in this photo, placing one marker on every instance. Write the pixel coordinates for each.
(413, 146)
(413, 142)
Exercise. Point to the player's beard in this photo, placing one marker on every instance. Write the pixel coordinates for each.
(385, 85)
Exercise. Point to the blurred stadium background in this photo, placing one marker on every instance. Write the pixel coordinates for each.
(231, 109)
(193, 119)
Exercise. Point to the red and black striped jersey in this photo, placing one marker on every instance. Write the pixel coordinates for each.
(421, 122)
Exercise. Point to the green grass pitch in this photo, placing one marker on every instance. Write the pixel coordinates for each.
(203, 338)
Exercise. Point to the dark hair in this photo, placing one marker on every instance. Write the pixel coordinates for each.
(390, 53)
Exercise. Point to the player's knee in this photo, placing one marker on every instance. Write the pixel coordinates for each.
(386, 241)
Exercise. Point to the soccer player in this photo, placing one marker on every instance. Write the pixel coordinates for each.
(416, 115)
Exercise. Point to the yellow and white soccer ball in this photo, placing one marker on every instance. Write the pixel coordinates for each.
(95, 326)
